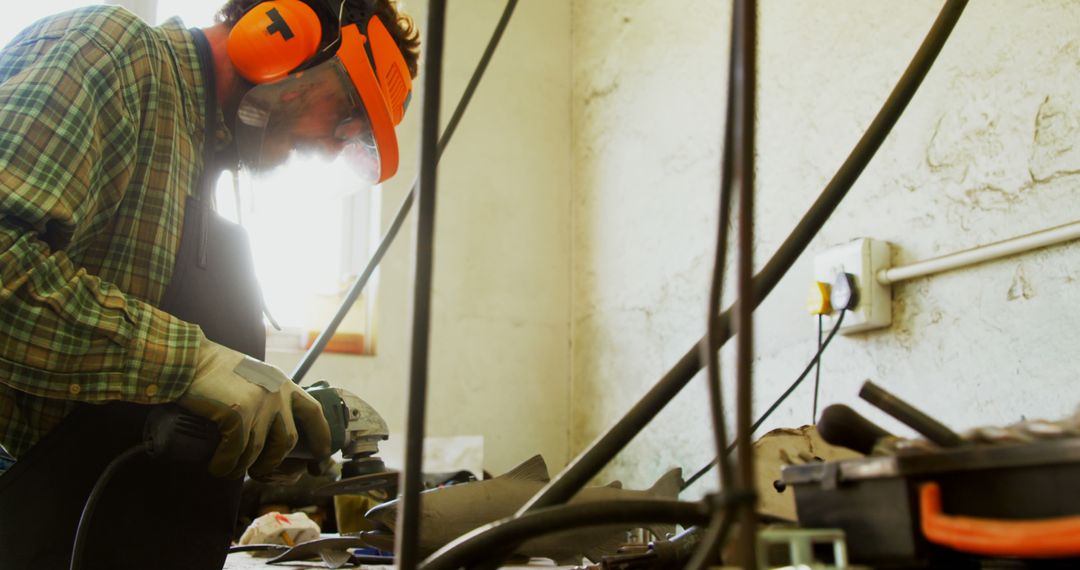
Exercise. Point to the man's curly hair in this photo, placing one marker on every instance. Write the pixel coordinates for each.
(399, 24)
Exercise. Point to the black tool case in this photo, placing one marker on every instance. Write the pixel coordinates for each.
(875, 500)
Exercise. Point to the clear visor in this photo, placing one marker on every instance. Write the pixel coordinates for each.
(316, 112)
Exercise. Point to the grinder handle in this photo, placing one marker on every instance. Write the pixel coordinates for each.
(172, 434)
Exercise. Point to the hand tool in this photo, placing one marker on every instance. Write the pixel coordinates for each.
(172, 434)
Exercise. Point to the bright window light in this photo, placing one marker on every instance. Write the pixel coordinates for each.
(194, 13)
(309, 223)
(18, 15)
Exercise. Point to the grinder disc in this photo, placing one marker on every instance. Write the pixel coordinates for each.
(383, 480)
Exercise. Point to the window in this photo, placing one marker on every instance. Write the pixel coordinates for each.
(310, 226)
(18, 15)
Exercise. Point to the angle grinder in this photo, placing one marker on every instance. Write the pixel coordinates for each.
(174, 435)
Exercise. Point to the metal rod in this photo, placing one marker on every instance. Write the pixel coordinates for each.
(591, 461)
(988, 252)
(408, 536)
(911, 416)
(357, 287)
(745, 103)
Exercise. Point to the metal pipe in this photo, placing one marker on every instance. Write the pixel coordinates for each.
(357, 287)
(467, 551)
(745, 103)
(979, 254)
(592, 460)
(911, 416)
(408, 536)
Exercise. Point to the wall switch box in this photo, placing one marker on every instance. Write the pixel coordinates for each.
(862, 258)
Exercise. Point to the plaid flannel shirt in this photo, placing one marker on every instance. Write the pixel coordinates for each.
(101, 136)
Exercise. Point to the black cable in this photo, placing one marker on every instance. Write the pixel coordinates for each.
(403, 210)
(408, 535)
(583, 468)
(776, 404)
(716, 533)
(466, 551)
(83, 527)
(817, 370)
(710, 345)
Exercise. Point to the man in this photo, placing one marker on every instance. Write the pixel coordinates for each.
(120, 290)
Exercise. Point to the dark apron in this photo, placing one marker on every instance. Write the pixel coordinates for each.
(152, 515)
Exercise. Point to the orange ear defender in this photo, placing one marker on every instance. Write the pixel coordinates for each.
(274, 38)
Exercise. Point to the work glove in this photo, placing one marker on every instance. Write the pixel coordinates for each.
(257, 409)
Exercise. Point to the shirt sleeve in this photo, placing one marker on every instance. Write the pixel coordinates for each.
(67, 144)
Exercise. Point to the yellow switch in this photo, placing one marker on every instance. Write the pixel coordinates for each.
(818, 301)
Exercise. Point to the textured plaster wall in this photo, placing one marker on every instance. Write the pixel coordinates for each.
(499, 359)
(987, 150)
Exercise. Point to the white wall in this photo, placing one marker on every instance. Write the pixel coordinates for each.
(555, 310)
(499, 360)
(984, 152)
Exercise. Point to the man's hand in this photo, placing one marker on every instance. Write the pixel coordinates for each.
(256, 408)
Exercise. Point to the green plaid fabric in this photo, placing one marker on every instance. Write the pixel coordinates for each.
(101, 136)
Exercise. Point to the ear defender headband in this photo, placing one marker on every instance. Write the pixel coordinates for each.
(280, 37)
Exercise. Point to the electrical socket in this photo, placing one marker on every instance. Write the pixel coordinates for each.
(863, 258)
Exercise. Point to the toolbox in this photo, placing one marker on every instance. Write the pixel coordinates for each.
(1011, 505)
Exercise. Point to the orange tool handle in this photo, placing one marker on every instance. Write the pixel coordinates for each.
(1030, 539)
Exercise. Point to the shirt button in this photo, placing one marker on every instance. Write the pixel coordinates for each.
(74, 389)
(152, 390)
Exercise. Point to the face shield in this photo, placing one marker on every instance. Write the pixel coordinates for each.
(315, 112)
(346, 106)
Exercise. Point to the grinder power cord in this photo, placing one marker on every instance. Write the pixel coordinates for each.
(407, 547)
